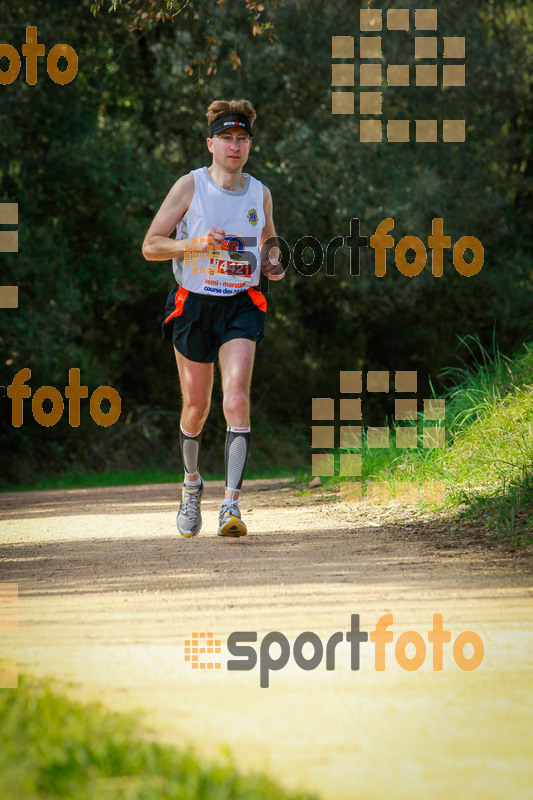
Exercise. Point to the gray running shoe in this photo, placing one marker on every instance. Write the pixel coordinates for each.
(229, 520)
(189, 519)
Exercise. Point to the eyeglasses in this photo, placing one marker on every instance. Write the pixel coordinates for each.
(227, 138)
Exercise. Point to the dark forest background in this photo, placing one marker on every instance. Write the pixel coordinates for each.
(90, 162)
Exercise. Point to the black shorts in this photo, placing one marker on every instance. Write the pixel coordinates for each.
(199, 324)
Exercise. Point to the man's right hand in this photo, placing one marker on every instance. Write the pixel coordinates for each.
(216, 234)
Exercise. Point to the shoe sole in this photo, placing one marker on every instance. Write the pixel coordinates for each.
(188, 535)
(233, 528)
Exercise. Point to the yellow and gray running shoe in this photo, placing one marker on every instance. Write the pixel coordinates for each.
(229, 520)
(189, 519)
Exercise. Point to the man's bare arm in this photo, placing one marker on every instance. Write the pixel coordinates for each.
(158, 245)
(270, 266)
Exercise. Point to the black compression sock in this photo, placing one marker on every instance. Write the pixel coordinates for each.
(236, 456)
(190, 447)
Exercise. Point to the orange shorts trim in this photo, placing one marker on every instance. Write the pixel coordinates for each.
(258, 299)
(179, 300)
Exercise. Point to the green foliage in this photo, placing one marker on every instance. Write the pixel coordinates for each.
(90, 162)
(51, 747)
(211, 35)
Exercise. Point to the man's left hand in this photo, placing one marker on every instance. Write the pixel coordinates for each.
(273, 270)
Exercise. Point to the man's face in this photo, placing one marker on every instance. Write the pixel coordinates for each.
(230, 149)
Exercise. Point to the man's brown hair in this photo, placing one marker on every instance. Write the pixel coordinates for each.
(219, 108)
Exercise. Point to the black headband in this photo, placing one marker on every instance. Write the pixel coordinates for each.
(230, 121)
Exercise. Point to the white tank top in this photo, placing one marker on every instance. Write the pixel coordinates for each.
(241, 215)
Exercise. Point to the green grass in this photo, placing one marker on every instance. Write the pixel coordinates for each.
(79, 479)
(487, 466)
(487, 463)
(51, 747)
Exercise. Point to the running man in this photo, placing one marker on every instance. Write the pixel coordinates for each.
(221, 216)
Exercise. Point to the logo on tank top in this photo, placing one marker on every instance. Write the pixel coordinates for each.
(252, 217)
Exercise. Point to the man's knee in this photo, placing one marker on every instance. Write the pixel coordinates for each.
(195, 412)
(236, 402)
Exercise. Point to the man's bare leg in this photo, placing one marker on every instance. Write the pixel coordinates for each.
(196, 381)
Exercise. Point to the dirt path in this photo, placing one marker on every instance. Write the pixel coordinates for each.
(108, 594)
